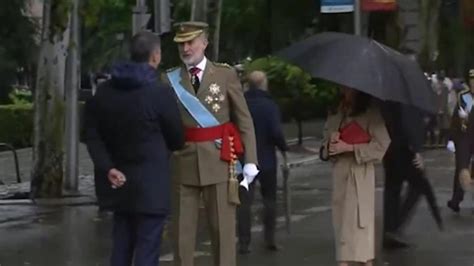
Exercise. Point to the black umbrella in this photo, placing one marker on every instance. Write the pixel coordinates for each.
(363, 64)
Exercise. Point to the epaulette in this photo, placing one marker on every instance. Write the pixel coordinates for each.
(461, 93)
(171, 69)
(464, 91)
(223, 65)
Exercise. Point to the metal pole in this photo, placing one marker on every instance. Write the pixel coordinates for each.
(357, 18)
(199, 10)
(162, 16)
(72, 124)
(140, 16)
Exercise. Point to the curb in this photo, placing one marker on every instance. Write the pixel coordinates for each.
(303, 161)
(56, 202)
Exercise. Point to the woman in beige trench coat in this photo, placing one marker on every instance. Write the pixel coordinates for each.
(353, 177)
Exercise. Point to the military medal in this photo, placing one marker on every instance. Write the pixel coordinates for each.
(214, 89)
(216, 107)
(215, 97)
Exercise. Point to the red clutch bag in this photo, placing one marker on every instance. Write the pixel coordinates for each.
(353, 133)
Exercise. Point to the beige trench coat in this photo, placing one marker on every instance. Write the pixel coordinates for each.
(354, 187)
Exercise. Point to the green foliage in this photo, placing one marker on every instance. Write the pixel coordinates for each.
(20, 96)
(18, 47)
(92, 10)
(60, 11)
(106, 26)
(257, 28)
(17, 125)
(299, 96)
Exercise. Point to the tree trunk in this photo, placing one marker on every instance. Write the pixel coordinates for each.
(430, 25)
(217, 31)
(47, 176)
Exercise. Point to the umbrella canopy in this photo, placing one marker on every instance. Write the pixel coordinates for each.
(363, 64)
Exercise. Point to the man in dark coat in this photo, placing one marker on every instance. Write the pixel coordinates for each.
(403, 163)
(269, 135)
(132, 123)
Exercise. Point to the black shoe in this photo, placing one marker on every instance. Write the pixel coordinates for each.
(393, 241)
(244, 249)
(453, 206)
(273, 247)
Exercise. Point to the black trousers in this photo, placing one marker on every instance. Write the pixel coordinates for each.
(268, 189)
(464, 152)
(399, 168)
(137, 238)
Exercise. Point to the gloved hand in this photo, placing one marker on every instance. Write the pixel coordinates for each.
(418, 161)
(451, 147)
(462, 113)
(249, 172)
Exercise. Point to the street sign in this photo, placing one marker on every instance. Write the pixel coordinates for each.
(468, 13)
(379, 5)
(337, 6)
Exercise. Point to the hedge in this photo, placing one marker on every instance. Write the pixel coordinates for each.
(16, 125)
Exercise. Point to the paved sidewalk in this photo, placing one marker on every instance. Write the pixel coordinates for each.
(86, 182)
(78, 236)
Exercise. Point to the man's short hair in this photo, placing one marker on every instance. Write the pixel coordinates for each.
(258, 79)
(143, 45)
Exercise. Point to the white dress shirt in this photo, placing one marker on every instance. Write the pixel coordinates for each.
(201, 66)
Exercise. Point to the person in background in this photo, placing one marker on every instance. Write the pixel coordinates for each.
(462, 142)
(442, 115)
(403, 162)
(269, 135)
(353, 196)
(132, 124)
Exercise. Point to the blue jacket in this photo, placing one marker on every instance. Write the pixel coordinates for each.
(268, 130)
(132, 123)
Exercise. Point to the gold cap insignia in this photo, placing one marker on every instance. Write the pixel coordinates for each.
(189, 30)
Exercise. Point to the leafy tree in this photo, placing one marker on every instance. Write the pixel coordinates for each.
(299, 96)
(18, 46)
(106, 27)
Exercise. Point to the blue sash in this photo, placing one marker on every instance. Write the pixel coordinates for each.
(195, 108)
(467, 98)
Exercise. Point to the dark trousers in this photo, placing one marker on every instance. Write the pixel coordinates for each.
(137, 238)
(464, 151)
(399, 168)
(268, 189)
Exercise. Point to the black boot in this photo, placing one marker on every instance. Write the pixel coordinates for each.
(394, 241)
(244, 248)
(454, 206)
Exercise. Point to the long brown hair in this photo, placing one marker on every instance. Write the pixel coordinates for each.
(359, 105)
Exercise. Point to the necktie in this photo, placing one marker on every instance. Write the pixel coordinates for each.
(194, 71)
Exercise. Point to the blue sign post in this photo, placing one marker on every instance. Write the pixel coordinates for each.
(337, 6)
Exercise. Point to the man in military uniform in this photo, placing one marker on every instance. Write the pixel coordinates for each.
(219, 129)
(462, 142)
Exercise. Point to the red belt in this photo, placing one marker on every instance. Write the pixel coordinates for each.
(231, 141)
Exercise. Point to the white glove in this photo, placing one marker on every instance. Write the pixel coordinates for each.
(462, 113)
(451, 147)
(245, 183)
(250, 171)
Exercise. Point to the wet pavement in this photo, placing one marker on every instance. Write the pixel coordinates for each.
(79, 236)
(8, 174)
